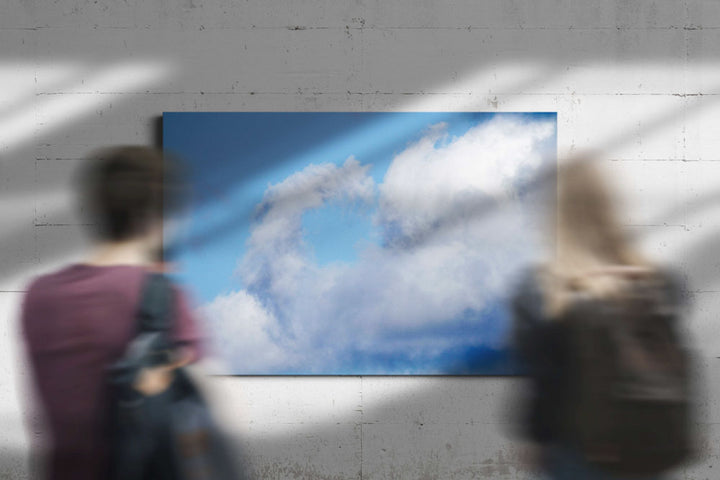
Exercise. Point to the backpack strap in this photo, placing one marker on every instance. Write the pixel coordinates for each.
(154, 317)
(154, 311)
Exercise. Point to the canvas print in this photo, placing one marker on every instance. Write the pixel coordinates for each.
(359, 243)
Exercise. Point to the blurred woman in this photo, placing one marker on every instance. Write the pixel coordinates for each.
(574, 364)
(79, 320)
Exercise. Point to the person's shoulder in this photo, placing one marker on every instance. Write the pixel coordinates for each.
(43, 281)
(85, 277)
(42, 290)
(36, 283)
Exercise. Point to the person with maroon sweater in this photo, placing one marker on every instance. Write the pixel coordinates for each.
(78, 321)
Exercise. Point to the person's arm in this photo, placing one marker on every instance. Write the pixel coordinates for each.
(186, 335)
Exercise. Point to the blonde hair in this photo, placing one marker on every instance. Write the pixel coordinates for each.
(591, 247)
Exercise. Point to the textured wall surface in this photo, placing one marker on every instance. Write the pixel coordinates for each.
(638, 80)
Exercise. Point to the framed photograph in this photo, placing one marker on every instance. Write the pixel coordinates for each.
(360, 243)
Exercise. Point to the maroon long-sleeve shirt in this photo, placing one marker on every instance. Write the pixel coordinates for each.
(76, 322)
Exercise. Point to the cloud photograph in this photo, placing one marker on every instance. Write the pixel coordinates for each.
(359, 243)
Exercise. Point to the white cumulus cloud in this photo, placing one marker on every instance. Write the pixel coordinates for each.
(426, 183)
(456, 230)
(243, 333)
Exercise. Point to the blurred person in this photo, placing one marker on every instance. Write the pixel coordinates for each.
(595, 332)
(79, 320)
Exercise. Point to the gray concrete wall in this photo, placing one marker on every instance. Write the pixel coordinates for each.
(638, 80)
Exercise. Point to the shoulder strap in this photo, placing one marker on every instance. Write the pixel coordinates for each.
(156, 299)
(151, 344)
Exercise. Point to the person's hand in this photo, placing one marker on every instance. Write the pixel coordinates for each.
(154, 380)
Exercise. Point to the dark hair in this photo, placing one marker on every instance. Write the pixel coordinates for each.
(125, 189)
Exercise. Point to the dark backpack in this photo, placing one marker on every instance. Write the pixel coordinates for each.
(169, 436)
(628, 408)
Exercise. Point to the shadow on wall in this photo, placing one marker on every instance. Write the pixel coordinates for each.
(422, 430)
(426, 429)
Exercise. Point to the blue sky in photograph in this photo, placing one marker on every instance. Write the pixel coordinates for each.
(315, 194)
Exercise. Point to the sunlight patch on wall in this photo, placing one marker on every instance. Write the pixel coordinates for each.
(80, 91)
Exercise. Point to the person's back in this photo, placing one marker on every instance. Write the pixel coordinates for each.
(598, 343)
(79, 320)
(609, 384)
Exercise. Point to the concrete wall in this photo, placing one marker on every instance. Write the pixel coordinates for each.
(638, 80)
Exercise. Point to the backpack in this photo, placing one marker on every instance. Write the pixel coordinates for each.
(169, 436)
(628, 408)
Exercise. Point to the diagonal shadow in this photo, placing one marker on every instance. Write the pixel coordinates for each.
(537, 52)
